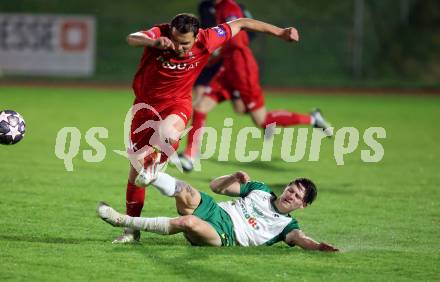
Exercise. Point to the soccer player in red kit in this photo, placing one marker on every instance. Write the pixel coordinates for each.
(239, 78)
(173, 57)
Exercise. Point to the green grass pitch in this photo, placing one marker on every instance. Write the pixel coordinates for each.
(383, 216)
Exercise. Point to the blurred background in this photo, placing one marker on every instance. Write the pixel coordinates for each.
(384, 216)
(348, 43)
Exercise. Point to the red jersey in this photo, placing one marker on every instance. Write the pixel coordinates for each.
(164, 77)
(240, 65)
(240, 69)
(228, 10)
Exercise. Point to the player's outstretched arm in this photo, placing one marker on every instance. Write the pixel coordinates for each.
(297, 237)
(229, 184)
(140, 39)
(289, 34)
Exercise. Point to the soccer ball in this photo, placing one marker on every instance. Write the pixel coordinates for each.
(12, 127)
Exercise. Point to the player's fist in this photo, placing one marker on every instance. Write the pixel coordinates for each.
(164, 43)
(327, 248)
(242, 177)
(290, 34)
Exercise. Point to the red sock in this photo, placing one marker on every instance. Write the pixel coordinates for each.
(134, 200)
(192, 147)
(285, 118)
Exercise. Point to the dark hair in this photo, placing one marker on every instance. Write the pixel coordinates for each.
(310, 189)
(185, 23)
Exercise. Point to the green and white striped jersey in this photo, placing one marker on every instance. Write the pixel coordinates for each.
(256, 220)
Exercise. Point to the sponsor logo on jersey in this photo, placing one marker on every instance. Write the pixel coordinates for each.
(221, 32)
(180, 66)
(250, 217)
(256, 211)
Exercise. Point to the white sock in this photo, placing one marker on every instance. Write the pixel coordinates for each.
(312, 120)
(165, 183)
(158, 225)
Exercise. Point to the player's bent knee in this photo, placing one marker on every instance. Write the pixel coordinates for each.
(180, 187)
(188, 222)
(205, 105)
(169, 134)
(184, 189)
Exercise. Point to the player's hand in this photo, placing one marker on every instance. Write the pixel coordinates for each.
(327, 248)
(290, 34)
(242, 177)
(164, 43)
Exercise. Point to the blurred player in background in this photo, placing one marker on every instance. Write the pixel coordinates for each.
(257, 217)
(174, 55)
(208, 19)
(239, 77)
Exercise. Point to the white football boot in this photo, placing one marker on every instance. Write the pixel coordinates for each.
(109, 215)
(269, 131)
(320, 122)
(128, 236)
(186, 162)
(114, 218)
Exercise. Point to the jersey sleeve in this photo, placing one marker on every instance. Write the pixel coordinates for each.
(250, 186)
(152, 33)
(216, 36)
(291, 226)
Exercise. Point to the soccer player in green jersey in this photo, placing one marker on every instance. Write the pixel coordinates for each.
(256, 217)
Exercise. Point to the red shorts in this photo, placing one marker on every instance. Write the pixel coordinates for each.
(152, 115)
(239, 74)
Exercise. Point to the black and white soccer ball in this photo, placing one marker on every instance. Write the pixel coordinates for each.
(12, 127)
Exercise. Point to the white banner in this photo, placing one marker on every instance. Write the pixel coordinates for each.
(41, 44)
